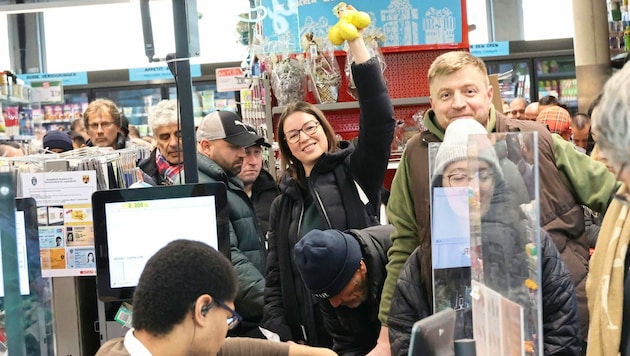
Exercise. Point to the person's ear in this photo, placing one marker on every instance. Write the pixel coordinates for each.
(202, 306)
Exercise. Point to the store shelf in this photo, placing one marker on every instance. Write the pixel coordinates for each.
(421, 100)
(4, 137)
(53, 122)
(555, 76)
(12, 100)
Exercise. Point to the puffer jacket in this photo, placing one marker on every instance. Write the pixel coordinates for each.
(290, 310)
(355, 330)
(561, 328)
(264, 191)
(246, 242)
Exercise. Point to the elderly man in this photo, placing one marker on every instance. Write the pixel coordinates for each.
(557, 120)
(517, 109)
(257, 182)
(531, 111)
(102, 121)
(221, 142)
(165, 162)
(346, 271)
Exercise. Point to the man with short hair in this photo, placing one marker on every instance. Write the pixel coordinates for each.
(531, 111)
(346, 271)
(517, 109)
(459, 88)
(581, 128)
(257, 182)
(165, 161)
(184, 305)
(102, 121)
(221, 141)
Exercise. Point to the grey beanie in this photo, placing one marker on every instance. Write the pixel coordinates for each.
(455, 146)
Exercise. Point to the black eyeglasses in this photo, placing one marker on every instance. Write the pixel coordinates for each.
(233, 320)
(623, 197)
(462, 179)
(309, 128)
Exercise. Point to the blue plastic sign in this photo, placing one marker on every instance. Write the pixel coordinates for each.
(491, 49)
(159, 72)
(70, 78)
(401, 22)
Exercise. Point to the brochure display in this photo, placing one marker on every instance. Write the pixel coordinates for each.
(64, 216)
(485, 238)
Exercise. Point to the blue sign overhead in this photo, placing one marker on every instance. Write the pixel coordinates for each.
(70, 78)
(491, 49)
(401, 22)
(159, 72)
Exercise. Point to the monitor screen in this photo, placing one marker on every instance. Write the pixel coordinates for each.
(131, 225)
(27, 238)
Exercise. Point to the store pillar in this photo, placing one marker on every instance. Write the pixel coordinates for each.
(592, 52)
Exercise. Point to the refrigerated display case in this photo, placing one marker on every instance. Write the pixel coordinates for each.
(534, 69)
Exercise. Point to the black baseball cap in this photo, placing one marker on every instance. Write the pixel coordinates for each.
(226, 125)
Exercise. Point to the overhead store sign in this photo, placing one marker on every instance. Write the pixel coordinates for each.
(491, 49)
(159, 72)
(70, 78)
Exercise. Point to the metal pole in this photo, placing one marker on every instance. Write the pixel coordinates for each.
(184, 89)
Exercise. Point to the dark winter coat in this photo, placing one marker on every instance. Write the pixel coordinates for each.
(246, 241)
(289, 309)
(149, 167)
(355, 330)
(264, 191)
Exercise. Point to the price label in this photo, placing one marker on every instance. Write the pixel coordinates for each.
(48, 91)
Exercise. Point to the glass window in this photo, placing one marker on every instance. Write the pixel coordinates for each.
(5, 62)
(477, 15)
(541, 20)
(110, 36)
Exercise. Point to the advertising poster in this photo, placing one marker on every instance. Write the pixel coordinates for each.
(64, 215)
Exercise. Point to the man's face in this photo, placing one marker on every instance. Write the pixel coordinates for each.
(252, 164)
(580, 137)
(355, 292)
(216, 329)
(102, 130)
(465, 93)
(531, 112)
(228, 156)
(517, 109)
(168, 140)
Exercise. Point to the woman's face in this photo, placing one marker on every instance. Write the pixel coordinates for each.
(308, 148)
(457, 174)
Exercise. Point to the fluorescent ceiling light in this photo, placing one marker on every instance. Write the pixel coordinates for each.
(43, 6)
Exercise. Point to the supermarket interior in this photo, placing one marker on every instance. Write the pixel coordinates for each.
(245, 56)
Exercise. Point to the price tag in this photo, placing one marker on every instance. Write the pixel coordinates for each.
(48, 91)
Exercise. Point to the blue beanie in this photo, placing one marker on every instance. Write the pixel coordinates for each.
(327, 260)
(57, 139)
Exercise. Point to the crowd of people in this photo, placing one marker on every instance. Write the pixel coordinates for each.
(310, 261)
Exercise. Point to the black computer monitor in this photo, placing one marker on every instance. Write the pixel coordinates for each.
(434, 335)
(27, 235)
(130, 225)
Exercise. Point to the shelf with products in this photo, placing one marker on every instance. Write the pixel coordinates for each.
(348, 105)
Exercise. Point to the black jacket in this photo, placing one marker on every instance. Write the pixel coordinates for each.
(355, 330)
(289, 309)
(149, 167)
(264, 191)
(247, 246)
(561, 328)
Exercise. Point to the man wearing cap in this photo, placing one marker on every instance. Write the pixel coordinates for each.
(258, 183)
(557, 120)
(57, 141)
(221, 141)
(346, 271)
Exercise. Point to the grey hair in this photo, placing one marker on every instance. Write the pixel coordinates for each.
(164, 113)
(612, 121)
(580, 120)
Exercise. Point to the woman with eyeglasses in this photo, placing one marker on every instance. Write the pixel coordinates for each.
(608, 283)
(326, 184)
(477, 187)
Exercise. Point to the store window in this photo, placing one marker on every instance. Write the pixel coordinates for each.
(4, 43)
(544, 19)
(109, 36)
(477, 16)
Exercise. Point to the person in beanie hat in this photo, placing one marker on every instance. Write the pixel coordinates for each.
(222, 138)
(57, 141)
(471, 161)
(346, 271)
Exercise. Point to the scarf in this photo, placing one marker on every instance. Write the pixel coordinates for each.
(167, 170)
(605, 282)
